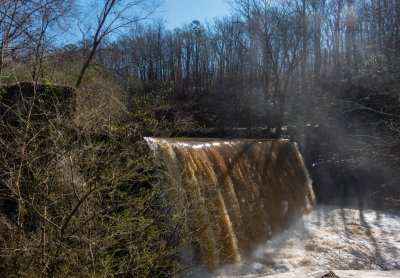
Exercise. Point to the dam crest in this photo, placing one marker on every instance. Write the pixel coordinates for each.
(237, 193)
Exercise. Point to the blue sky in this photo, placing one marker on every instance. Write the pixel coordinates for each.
(179, 12)
(174, 12)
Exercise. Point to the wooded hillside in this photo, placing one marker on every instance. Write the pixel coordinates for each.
(79, 190)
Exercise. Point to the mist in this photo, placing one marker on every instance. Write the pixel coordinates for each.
(280, 108)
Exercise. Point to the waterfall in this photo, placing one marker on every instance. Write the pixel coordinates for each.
(237, 193)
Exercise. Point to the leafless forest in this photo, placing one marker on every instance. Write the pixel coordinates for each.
(80, 86)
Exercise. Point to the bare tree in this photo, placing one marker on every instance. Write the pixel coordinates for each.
(115, 15)
(14, 19)
(286, 53)
(47, 18)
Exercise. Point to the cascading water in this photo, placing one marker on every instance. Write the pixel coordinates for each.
(238, 192)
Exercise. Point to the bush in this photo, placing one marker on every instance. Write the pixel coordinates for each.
(79, 199)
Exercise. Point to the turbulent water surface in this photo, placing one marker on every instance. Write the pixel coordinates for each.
(250, 203)
(329, 237)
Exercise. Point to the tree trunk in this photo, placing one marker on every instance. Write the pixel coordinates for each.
(304, 36)
(86, 65)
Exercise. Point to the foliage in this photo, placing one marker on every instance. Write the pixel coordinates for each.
(156, 114)
(79, 200)
(78, 191)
